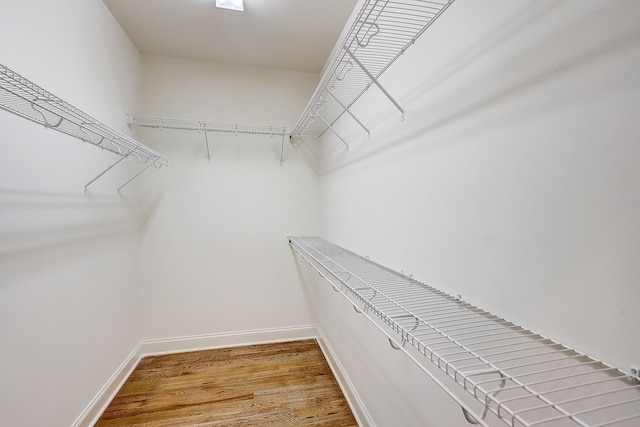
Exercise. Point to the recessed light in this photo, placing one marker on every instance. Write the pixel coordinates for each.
(231, 4)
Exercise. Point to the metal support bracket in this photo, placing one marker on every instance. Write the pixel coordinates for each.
(470, 418)
(395, 346)
(46, 123)
(333, 130)
(151, 163)
(206, 141)
(83, 128)
(282, 149)
(105, 171)
(375, 81)
(344, 107)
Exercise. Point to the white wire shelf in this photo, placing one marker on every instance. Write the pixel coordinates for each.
(205, 126)
(381, 32)
(209, 126)
(26, 99)
(512, 374)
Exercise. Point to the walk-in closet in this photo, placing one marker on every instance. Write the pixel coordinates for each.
(420, 212)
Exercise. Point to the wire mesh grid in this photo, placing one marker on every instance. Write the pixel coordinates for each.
(514, 374)
(26, 99)
(209, 126)
(382, 31)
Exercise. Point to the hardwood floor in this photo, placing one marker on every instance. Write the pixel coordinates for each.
(283, 384)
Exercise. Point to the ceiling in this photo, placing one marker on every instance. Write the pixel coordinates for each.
(293, 35)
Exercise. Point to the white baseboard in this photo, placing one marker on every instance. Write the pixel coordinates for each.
(230, 339)
(227, 339)
(357, 406)
(99, 403)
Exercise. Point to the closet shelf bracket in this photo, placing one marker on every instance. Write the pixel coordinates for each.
(335, 132)
(347, 110)
(282, 149)
(136, 175)
(395, 346)
(206, 141)
(467, 416)
(375, 81)
(86, 186)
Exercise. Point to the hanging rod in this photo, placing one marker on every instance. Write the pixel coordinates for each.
(381, 32)
(209, 126)
(512, 374)
(28, 100)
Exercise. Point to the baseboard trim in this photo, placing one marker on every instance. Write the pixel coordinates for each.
(228, 339)
(357, 406)
(100, 402)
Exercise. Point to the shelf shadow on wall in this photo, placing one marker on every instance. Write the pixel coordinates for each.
(35, 223)
(515, 24)
(491, 91)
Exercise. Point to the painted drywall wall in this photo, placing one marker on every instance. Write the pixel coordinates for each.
(214, 254)
(69, 313)
(512, 181)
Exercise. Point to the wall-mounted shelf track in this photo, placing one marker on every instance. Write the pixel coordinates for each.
(497, 370)
(381, 32)
(209, 126)
(26, 99)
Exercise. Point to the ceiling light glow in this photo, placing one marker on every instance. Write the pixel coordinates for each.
(231, 4)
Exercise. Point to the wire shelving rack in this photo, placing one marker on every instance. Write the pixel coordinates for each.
(380, 33)
(205, 126)
(511, 373)
(28, 100)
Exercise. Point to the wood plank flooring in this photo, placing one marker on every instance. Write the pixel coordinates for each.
(283, 384)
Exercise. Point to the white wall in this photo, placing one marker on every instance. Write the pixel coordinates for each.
(69, 312)
(513, 180)
(214, 253)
